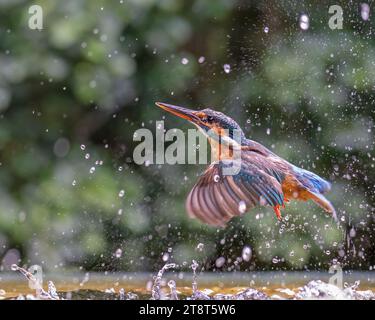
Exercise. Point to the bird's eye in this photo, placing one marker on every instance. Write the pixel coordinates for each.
(207, 119)
(202, 116)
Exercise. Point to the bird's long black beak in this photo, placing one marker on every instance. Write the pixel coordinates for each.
(179, 111)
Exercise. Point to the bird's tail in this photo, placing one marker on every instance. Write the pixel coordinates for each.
(315, 187)
(312, 181)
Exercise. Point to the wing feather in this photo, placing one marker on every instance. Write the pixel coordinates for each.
(215, 201)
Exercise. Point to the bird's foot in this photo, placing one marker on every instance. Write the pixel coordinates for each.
(277, 211)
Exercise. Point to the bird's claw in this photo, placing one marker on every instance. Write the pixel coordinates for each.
(277, 211)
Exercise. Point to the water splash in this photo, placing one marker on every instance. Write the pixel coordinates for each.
(40, 293)
(316, 289)
(32, 279)
(194, 284)
(52, 291)
(156, 293)
(121, 294)
(248, 294)
(320, 290)
(172, 286)
(197, 294)
(85, 279)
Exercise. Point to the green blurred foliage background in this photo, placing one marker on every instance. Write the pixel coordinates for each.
(72, 95)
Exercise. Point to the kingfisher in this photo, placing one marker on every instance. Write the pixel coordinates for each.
(262, 179)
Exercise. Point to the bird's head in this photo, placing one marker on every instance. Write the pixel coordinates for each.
(212, 123)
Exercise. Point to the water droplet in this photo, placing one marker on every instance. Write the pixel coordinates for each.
(165, 257)
(275, 260)
(219, 262)
(304, 22)
(227, 68)
(74, 182)
(194, 284)
(194, 265)
(268, 131)
(118, 253)
(14, 267)
(171, 284)
(184, 61)
(262, 201)
(121, 193)
(216, 178)
(266, 29)
(201, 59)
(246, 253)
(83, 147)
(92, 169)
(122, 294)
(87, 156)
(365, 11)
(242, 207)
(52, 291)
(200, 247)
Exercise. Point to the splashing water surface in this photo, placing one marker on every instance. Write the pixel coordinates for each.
(215, 287)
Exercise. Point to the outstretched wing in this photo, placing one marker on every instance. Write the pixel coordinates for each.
(216, 197)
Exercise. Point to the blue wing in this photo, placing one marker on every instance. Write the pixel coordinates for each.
(216, 197)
